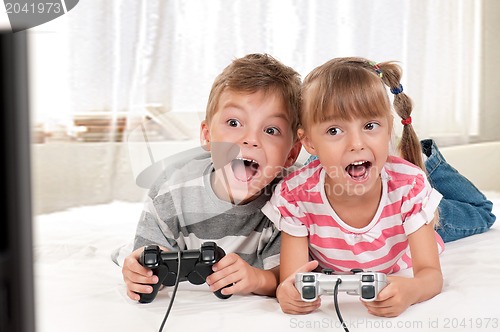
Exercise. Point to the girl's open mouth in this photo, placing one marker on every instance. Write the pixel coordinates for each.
(244, 169)
(359, 170)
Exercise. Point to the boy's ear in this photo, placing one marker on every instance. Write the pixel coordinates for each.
(294, 154)
(204, 135)
(306, 142)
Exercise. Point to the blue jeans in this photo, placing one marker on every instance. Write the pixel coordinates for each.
(464, 210)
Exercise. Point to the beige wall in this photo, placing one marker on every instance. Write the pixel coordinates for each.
(69, 174)
(72, 174)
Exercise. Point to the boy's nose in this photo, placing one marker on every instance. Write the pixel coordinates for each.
(251, 143)
(251, 138)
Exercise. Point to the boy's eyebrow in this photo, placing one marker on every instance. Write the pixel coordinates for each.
(281, 115)
(231, 104)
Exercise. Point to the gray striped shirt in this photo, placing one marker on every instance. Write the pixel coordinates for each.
(182, 211)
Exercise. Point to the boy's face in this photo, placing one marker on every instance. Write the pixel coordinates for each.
(258, 129)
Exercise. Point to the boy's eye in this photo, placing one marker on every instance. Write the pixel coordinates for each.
(272, 131)
(333, 131)
(233, 123)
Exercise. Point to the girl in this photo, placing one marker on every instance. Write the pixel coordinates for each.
(358, 206)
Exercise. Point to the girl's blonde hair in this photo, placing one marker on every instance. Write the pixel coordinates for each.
(352, 87)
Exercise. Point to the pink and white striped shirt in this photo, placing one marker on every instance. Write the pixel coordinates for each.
(300, 207)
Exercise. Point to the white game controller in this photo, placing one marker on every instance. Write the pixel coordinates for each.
(357, 282)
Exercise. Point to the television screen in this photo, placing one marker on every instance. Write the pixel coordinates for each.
(17, 312)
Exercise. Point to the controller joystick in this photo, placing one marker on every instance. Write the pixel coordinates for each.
(196, 266)
(357, 282)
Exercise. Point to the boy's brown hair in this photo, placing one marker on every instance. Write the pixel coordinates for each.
(259, 72)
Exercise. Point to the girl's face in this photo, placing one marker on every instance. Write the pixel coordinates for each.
(352, 152)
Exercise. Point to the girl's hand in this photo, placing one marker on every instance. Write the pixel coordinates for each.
(289, 297)
(395, 298)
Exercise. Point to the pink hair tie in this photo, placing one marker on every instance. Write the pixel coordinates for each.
(406, 121)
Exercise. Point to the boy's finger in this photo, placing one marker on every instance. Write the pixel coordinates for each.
(133, 266)
(217, 281)
(229, 290)
(133, 296)
(226, 261)
(138, 289)
(135, 278)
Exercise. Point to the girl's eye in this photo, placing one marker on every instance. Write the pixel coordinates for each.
(333, 131)
(372, 126)
(272, 131)
(233, 123)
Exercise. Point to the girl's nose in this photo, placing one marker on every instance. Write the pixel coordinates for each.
(356, 142)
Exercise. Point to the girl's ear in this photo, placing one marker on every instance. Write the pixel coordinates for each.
(205, 135)
(306, 142)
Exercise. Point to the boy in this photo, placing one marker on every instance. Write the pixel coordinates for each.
(250, 130)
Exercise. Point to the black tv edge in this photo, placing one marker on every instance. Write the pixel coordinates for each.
(17, 312)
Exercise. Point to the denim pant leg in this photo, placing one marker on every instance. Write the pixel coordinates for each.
(464, 210)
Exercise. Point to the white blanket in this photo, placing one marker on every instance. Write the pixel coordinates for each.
(79, 288)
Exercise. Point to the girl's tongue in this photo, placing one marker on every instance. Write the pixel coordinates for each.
(244, 169)
(358, 171)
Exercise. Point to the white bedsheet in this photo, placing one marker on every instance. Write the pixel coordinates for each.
(79, 288)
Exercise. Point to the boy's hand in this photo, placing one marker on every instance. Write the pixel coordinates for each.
(232, 269)
(289, 297)
(395, 298)
(137, 278)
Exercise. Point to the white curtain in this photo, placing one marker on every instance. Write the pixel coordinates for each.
(129, 56)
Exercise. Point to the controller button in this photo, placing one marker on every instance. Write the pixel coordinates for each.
(208, 255)
(308, 292)
(308, 278)
(356, 271)
(367, 292)
(328, 271)
(150, 259)
(368, 278)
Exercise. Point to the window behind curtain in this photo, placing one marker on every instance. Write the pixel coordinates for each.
(107, 67)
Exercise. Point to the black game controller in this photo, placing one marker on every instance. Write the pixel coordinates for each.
(196, 266)
(358, 282)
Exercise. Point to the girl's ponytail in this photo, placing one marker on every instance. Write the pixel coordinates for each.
(409, 145)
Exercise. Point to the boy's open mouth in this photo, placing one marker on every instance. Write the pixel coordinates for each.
(358, 170)
(244, 169)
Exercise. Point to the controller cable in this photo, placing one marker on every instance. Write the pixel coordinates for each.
(336, 302)
(174, 291)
